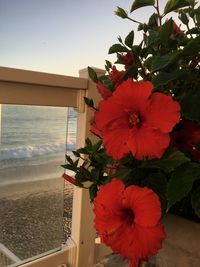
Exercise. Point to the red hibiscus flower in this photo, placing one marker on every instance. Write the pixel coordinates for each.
(186, 138)
(116, 76)
(136, 120)
(104, 92)
(127, 220)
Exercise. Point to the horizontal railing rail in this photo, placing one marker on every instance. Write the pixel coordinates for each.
(37, 88)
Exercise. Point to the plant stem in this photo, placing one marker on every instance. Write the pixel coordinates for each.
(188, 30)
(134, 20)
(158, 12)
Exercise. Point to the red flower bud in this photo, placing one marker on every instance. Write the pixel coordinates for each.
(128, 59)
(69, 178)
(176, 29)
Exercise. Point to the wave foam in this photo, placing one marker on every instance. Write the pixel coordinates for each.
(34, 150)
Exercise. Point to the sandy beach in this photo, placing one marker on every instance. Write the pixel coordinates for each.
(33, 215)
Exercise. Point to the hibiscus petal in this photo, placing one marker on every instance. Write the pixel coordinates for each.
(138, 242)
(133, 95)
(147, 241)
(107, 218)
(111, 193)
(163, 113)
(145, 205)
(115, 142)
(144, 141)
(110, 115)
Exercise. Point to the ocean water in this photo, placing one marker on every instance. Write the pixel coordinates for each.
(34, 136)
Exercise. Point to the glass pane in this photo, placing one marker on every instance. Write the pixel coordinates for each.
(32, 148)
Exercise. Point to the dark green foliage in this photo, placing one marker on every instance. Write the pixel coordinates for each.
(141, 3)
(175, 4)
(117, 48)
(181, 182)
(169, 57)
(93, 75)
(129, 39)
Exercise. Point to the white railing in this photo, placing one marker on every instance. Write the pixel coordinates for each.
(7, 258)
(36, 88)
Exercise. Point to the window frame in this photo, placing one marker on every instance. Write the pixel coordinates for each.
(44, 89)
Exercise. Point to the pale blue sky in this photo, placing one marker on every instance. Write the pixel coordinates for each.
(62, 36)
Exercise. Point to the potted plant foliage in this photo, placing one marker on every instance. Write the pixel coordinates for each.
(146, 162)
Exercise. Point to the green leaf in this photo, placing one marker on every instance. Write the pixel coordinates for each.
(130, 72)
(81, 178)
(190, 107)
(93, 189)
(192, 48)
(197, 16)
(117, 48)
(161, 62)
(141, 3)
(175, 4)
(76, 153)
(171, 160)
(195, 200)
(86, 173)
(68, 158)
(89, 102)
(152, 38)
(69, 167)
(97, 145)
(108, 64)
(165, 77)
(166, 31)
(129, 39)
(83, 150)
(92, 75)
(194, 30)
(88, 143)
(158, 183)
(148, 63)
(183, 17)
(153, 20)
(123, 173)
(181, 182)
(107, 82)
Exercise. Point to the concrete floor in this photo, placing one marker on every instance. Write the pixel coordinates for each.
(112, 260)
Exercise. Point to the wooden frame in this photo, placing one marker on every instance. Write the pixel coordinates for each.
(36, 88)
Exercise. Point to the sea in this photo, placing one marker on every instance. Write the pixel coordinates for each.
(34, 136)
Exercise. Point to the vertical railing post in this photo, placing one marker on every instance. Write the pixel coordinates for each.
(83, 232)
(0, 122)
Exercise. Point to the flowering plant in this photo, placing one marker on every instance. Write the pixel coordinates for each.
(147, 159)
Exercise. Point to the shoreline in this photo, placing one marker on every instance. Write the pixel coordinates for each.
(27, 173)
(23, 189)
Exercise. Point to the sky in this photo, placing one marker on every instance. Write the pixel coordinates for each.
(62, 36)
